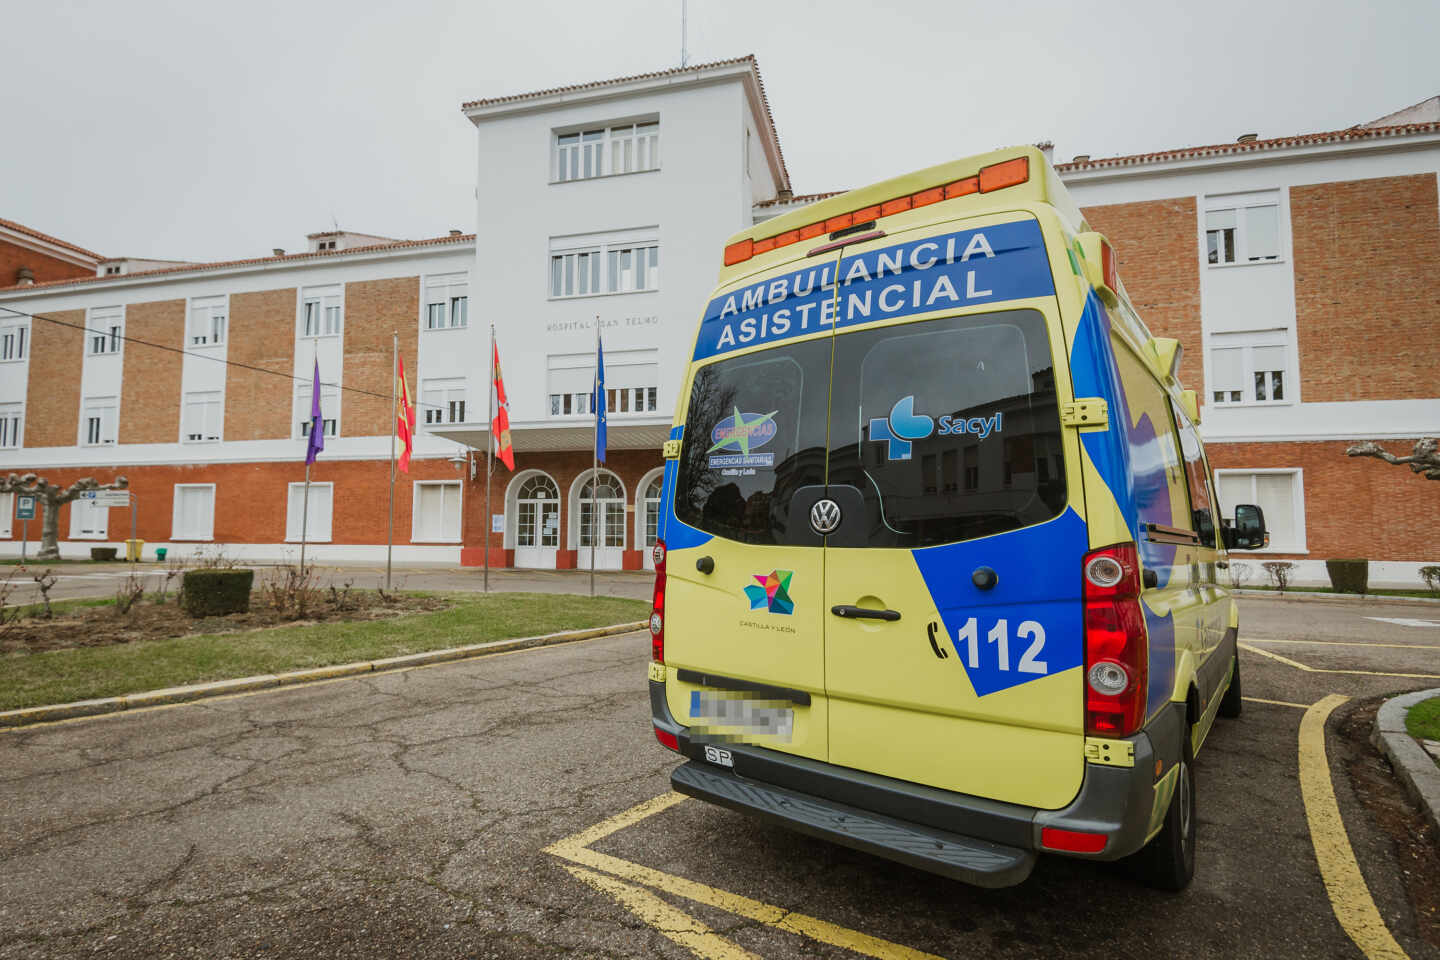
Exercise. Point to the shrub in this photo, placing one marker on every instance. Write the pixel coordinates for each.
(214, 593)
(291, 590)
(1348, 576)
(1431, 576)
(1279, 572)
(103, 553)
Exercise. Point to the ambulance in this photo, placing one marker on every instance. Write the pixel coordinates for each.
(938, 564)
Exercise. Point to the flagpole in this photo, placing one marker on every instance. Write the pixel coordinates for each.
(305, 505)
(394, 375)
(489, 454)
(595, 456)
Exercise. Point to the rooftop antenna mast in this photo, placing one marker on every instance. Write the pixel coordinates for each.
(684, 33)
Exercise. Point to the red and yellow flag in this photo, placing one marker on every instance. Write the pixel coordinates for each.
(500, 423)
(405, 420)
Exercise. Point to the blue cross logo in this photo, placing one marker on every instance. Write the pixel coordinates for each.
(901, 428)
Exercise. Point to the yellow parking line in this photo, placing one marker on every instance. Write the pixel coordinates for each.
(670, 922)
(1349, 897)
(1277, 703)
(1359, 673)
(1347, 643)
(576, 849)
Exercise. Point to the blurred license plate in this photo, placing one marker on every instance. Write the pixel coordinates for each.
(739, 716)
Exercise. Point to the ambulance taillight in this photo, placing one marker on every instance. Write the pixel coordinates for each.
(657, 605)
(1116, 659)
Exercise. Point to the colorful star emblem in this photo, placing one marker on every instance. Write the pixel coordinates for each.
(773, 592)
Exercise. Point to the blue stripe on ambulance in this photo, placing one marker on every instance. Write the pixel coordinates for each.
(676, 534)
(1143, 497)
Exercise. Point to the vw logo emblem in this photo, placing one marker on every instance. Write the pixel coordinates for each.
(825, 516)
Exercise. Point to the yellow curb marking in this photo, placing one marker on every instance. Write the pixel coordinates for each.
(1348, 643)
(292, 687)
(576, 849)
(672, 923)
(1277, 703)
(1361, 673)
(1349, 897)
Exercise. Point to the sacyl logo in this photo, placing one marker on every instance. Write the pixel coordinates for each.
(904, 426)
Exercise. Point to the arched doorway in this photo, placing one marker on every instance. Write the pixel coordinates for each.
(536, 521)
(647, 514)
(609, 526)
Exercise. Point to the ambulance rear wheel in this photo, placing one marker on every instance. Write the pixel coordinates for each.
(1231, 705)
(1168, 861)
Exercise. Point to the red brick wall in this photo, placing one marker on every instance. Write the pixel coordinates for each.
(1159, 263)
(1354, 506)
(373, 310)
(150, 391)
(262, 334)
(52, 395)
(13, 257)
(1367, 255)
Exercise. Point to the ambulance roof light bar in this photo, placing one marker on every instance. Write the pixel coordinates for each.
(997, 176)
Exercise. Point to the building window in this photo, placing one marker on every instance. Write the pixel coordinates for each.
(603, 151)
(442, 401)
(320, 312)
(13, 342)
(112, 271)
(106, 331)
(194, 515)
(7, 512)
(98, 421)
(1249, 368)
(201, 417)
(447, 301)
(87, 521)
(11, 417)
(329, 409)
(610, 501)
(436, 517)
(1279, 493)
(207, 321)
(1242, 228)
(583, 266)
(632, 379)
(317, 523)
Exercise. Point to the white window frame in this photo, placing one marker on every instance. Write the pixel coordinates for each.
(186, 535)
(12, 425)
(208, 321)
(1298, 504)
(450, 293)
(1246, 342)
(107, 410)
(616, 148)
(105, 332)
(213, 402)
(415, 510)
(78, 509)
(14, 341)
(295, 493)
(438, 398)
(608, 274)
(329, 410)
(326, 323)
(1239, 203)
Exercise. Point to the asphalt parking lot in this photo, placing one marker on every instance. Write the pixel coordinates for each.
(518, 806)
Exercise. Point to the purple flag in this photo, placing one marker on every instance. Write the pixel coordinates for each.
(317, 422)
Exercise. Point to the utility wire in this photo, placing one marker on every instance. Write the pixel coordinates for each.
(206, 356)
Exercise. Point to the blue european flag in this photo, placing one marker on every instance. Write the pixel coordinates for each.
(598, 400)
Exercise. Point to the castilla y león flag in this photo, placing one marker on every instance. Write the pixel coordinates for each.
(405, 420)
(500, 423)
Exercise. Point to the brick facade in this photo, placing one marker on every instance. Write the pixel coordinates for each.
(1367, 253)
(262, 334)
(52, 394)
(1159, 263)
(13, 257)
(150, 390)
(374, 309)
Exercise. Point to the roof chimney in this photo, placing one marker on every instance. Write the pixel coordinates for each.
(24, 277)
(1247, 138)
(278, 251)
(1048, 149)
(785, 195)
(1081, 158)
(454, 233)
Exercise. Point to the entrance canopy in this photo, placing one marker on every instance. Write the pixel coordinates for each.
(638, 433)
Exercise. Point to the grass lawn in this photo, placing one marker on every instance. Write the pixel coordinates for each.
(32, 679)
(1423, 719)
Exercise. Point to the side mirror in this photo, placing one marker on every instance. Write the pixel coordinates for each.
(1249, 530)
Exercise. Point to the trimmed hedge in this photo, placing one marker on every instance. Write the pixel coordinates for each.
(103, 553)
(214, 593)
(1348, 576)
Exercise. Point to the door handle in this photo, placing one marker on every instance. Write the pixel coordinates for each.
(863, 613)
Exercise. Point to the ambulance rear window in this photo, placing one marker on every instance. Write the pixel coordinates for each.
(755, 431)
(949, 428)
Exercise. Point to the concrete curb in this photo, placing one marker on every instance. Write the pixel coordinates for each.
(1416, 768)
(89, 708)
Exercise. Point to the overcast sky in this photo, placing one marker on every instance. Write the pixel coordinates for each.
(205, 130)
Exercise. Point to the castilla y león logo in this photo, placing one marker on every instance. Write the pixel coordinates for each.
(771, 591)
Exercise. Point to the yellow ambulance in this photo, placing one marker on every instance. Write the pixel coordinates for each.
(938, 546)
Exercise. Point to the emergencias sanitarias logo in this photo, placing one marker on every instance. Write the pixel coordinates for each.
(772, 592)
(738, 436)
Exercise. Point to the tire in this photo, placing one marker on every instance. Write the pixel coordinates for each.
(1232, 704)
(1168, 861)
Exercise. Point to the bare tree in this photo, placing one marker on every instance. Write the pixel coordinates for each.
(53, 496)
(1424, 459)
